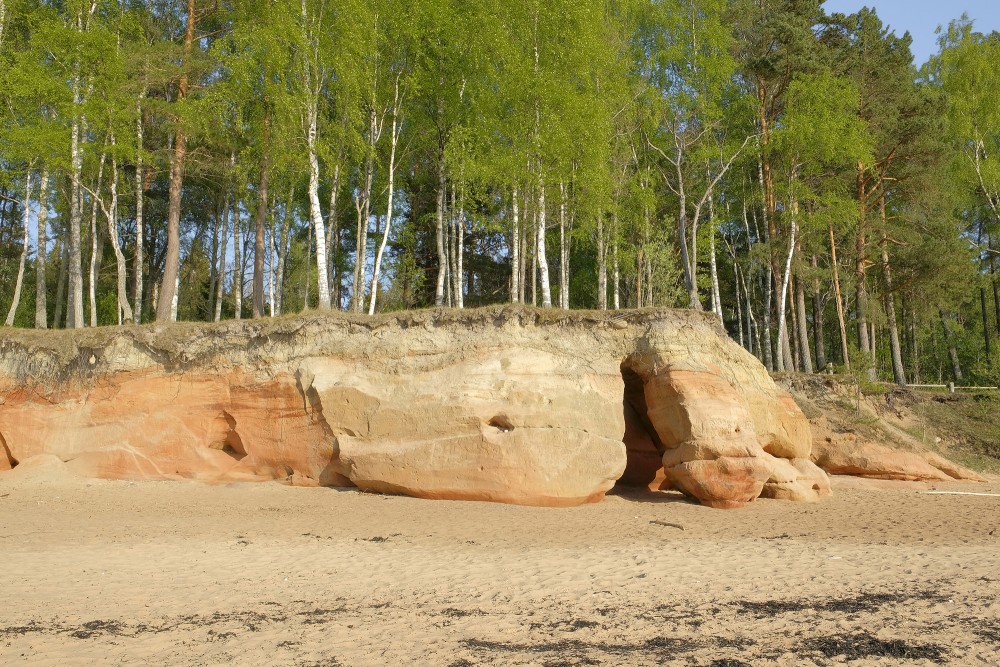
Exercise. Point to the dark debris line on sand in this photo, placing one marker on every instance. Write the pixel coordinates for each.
(865, 645)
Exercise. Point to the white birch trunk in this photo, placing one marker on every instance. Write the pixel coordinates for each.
(515, 247)
(315, 214)
(26, 218)
(563, 250)
(543, 262)
(270, 267)
(460, 256)
(112, 215)
(439, 292)
(783, 362)
(333, 235)
(237, 264)
(713, 264)
(137, 262)
(74, 308)
(394, 139)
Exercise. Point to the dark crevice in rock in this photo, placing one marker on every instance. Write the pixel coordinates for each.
(502, 424)
(233, 445)
(643, 447)
(5, 451)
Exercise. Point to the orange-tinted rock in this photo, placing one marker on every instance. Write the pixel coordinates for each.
(845, 454)
(724, 483)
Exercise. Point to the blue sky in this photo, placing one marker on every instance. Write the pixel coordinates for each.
(922, 17)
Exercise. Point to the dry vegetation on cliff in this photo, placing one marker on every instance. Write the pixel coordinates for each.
(962, 427)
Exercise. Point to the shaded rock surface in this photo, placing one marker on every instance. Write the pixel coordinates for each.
(503, 404)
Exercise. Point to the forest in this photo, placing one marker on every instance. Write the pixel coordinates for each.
(792, 171)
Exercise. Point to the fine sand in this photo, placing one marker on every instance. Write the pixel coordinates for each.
(95, 572)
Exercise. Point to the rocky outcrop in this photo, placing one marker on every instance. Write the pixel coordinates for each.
(846, 454)
(502, 404)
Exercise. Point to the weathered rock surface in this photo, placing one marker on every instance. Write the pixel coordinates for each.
(846, 454)
(500, 404)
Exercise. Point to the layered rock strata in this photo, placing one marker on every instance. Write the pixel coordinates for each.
(502, 404)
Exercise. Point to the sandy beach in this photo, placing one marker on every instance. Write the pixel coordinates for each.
(168, 573)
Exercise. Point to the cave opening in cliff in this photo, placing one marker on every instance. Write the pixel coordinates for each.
(643, 447)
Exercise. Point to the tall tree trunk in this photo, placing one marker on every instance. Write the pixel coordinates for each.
(534, 261)
(793, 332)
(92, 274)
(616, 276)
(898, 372)
(213, 273)
(713, 264)
(515, 248)
(602, 265)
(41, 290)
(286, 223)
(166, 307)
(689, 256)
(842, 321)
(455, 284)
(62, 252)
(803, 326)
(949, 338)
(238, 275)
(260, 219)
(394, 139)
(315, 214)
(819, 339)
(25, 241)
(739, 304)
(860, 274)
(220, 283)
(361, 248)
(768, 304)
(442, 185)
(996, 293)
(563, 250)
(543, 262)
(74, 306)
(271, 249)
(137, 261)
(123, 304)
(460, 252)
(332, 249)
(986, 323)
(785, 362)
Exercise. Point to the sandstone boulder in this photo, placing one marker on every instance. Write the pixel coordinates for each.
(846, 454)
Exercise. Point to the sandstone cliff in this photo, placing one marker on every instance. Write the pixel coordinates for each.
(504, 404)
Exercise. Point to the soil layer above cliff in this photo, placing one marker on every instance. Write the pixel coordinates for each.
(58, 354)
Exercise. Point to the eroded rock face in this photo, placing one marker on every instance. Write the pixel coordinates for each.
(499, 404)
(846, 454)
